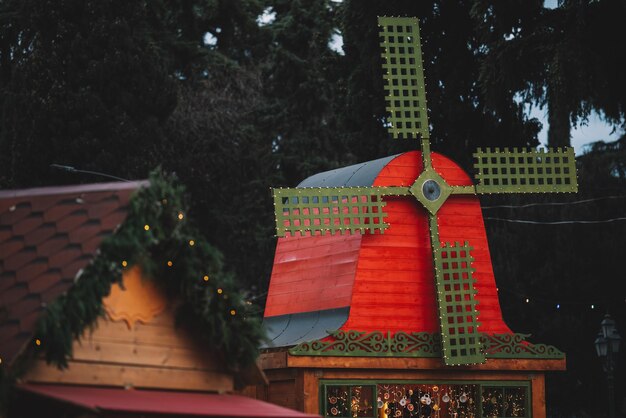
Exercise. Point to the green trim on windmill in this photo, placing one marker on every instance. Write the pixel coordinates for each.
(525, 171)
(403, 73)
(419, 345)
(431, 190)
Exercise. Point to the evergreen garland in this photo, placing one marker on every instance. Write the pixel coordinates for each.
(157, 237)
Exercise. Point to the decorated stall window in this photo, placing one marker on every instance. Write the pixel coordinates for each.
(349, 401)
(425, 400)
(508, 401)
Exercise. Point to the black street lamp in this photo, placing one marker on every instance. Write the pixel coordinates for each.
(607, 347)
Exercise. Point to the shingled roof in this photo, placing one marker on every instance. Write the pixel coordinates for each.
(47, 235)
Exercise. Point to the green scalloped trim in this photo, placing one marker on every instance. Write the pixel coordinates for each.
(419, 344)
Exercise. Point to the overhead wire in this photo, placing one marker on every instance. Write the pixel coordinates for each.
(576, 202)
(524, 221)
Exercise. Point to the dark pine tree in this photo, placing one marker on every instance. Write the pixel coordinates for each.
(87, 87)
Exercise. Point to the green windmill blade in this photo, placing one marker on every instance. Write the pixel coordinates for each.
(403, 74)
(405, 95)
(525, 171)
(332, 209)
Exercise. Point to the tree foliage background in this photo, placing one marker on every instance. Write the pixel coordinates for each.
(235, 96)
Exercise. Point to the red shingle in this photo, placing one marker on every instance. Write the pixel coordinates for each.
(72, 221)
(65, 256)
(13, 294)
(40, 234)
(60, 211)
(32, 269)
(86, 231)
(29, 321)
(55, 291)
(44, 281)
(28, 223)
(6, 232)
(11, 246)
(17, 260)
(25, 306)
(53, 245)
(7, 279)
(100, 209)
(14, 213)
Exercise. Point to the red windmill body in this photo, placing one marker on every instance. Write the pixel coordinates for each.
(382, 281)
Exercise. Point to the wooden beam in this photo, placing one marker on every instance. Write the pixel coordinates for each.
(420, 363)
(538, 396)
(89, 373)
(273, 360)
(311, 392)
(429, 375)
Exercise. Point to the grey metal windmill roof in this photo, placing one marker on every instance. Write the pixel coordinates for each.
(291, 329)
(362, 174)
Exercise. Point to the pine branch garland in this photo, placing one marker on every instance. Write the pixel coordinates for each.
(157, 237)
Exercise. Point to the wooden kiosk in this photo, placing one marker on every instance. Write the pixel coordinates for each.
(382, 300)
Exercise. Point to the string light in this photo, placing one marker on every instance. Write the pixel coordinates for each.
(233, 312)
(146, 227)
(220, 291)
(192, 243)
(527, 300)
(180, 216)
(38, 342)
(124, 263)
(206, 278)
(558, 306)
(169, 263)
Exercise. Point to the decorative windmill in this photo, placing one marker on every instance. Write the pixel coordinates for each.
(335, 210)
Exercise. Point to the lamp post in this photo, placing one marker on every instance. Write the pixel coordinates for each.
(607, 347)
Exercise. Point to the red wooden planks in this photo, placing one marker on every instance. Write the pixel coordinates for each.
(394, 285)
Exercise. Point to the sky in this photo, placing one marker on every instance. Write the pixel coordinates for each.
(594, 130)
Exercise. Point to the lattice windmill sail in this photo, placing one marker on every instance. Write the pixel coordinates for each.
(362, 209)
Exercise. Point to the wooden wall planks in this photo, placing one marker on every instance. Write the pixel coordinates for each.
(153, 355)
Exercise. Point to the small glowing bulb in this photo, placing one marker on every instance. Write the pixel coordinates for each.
(38, 341)
(146, 227)
(124, 263)
(169, 263)
(233, 312)
(527, 300)
(558, 306)
(220, 291)
(206, 278)
(180, 215)
(192, 243)
(593, 306)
